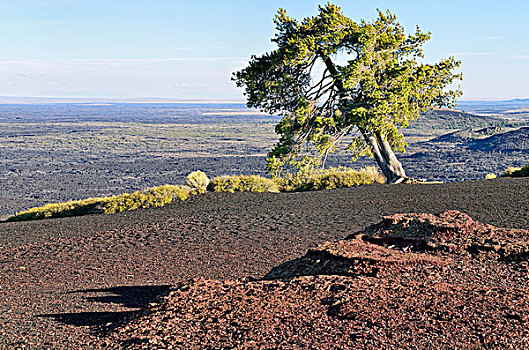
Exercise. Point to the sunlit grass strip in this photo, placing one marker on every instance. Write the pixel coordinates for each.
(162, 195)
(517, 172)
(152, 197)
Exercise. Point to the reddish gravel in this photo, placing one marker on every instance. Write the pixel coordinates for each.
(67, 283)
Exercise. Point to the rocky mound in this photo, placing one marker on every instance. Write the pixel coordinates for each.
(451, 232)
(411, 281)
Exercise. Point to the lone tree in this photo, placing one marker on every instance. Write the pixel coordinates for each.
(377, 90)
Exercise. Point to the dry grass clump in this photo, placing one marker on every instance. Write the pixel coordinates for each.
(517, 172)
(242, 183)
(153, 197)
(324, 179)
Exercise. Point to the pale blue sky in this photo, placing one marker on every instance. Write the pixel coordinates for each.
(188, 49)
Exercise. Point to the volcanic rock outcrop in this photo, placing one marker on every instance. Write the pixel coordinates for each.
(410, 281)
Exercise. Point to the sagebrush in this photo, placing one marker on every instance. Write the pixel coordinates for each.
(198, 181)
(243, 183)
(324, 179)
(517, 172)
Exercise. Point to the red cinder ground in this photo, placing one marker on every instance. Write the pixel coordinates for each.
(413, 281)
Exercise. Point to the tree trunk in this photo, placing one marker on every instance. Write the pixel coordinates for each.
(385, 157)
(391, 167)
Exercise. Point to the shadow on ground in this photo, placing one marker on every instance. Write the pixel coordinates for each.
(136, 297)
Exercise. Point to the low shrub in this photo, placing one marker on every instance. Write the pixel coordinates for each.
(198, 181)
(242, 183)
(54, 210)
(153, 197)
(324, 179)
(517, 172)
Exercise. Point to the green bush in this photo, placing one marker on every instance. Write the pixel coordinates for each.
(242, 183)
(324, 179)
(153, 197)
(198, 181)
(517, 172)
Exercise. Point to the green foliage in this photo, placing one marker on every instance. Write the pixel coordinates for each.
(198, 181)
(517, 172)
(380, 89)
(309, 179)
(242, 183)
(153, 197)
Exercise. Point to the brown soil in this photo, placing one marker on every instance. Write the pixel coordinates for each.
(406, 281)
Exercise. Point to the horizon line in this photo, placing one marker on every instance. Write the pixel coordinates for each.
(153, 100)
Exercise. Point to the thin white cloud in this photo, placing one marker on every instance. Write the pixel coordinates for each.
(183, 77)
(131, 62)
(23, 63)
(29, 75)
(492, 37)
(40, 3)
(477, 53)
(487, 53)
(116, 62)
(157, 60)
(201, 48)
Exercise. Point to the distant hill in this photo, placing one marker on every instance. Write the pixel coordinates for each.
(468, 134)
(455, 119)
(511, 141)
(517, 111)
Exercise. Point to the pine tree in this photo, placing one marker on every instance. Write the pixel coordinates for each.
(331, 77)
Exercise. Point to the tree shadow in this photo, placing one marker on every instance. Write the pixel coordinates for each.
(137, 297)
(127, 296)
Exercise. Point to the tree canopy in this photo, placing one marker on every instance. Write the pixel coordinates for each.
(331, 77)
